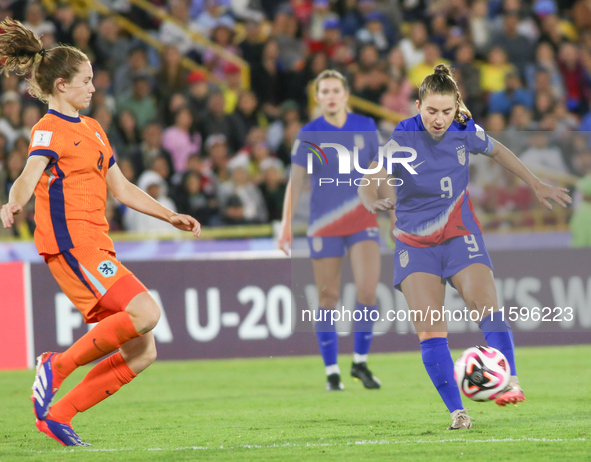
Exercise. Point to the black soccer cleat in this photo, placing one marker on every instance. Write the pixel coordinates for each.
(333, 382)
(360, 371)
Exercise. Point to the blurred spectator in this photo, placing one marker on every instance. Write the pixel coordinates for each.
(83, 39)
(65, 20)
(518, 48)
(247, 113)
(181, 140)
(217, 121)
(480, 29)
(276, 132)
(14, 167)
(398, 95)
(541, 156)
(233, 212)
(254, 210)
(36, 22)
(151, 183)
(251, 48)
(150, 148)
(129, 132)
(137, 64)
(216, 166)
(573, 75)
(10, 123)
(291, 50)
(172, 76)
(190, 199)
(139, 101)
(493, 72)
(198, 93)
(222, 35)
(413, 47)
(373, 33)
(503, 101)
(272, 187)
(178, 33)
(266, 77)
(422, 70)
(545, 62)
(111, 45)
(215, 12)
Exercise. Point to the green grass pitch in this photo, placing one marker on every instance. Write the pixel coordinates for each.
(277, 409)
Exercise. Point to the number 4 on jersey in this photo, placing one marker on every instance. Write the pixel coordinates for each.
(100, 161)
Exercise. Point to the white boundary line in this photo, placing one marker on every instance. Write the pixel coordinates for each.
(311, 445)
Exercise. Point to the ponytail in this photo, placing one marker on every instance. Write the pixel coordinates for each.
(22, 52)
(441, 82)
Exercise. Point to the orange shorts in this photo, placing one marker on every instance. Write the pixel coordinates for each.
(95, 281)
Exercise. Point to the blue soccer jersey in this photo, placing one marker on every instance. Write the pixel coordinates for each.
(335, 207)
(434, 205)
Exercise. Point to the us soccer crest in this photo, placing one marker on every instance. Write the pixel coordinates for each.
(461, 150)
(403, 258)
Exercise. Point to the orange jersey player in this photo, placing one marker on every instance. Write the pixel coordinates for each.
(69, 169)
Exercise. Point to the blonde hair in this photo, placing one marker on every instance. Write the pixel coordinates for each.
(441, 82)
(22, 52)
(330, 74)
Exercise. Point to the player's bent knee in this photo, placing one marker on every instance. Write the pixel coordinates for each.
(144, 312)
(366, 297)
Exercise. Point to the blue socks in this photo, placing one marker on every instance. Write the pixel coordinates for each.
(498, 334)
(440, 367)
(363, 330)
(327, 338)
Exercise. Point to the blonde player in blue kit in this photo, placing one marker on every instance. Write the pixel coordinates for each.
(438, 237)
(339, 223)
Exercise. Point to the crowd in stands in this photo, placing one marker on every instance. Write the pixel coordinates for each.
(222, 153)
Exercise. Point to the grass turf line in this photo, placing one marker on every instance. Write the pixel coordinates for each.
(277, 409)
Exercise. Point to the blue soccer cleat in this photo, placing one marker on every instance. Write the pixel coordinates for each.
(62, 433)
(43, 389)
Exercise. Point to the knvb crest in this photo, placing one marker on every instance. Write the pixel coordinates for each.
(461, 150)
(107, 268)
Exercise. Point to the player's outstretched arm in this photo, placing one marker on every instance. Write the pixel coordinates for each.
(290, 204)
(504, 157)
(23, 188)
(129, 194)
(285, 237)
(368, 191)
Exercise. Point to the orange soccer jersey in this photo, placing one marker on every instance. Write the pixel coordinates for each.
(71, 196)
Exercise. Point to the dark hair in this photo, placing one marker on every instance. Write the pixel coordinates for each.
(441, 82)
(22, 52)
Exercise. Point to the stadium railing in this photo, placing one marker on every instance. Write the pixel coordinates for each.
(200, 40)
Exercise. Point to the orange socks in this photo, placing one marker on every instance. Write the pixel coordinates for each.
(102, 381)
(104, 338)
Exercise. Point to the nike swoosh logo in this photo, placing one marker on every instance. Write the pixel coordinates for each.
(415, 166)
(76, 144)
(476, 255)
(110, 394)
(97, 347)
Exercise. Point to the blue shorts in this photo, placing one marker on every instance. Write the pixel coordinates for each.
(337, 246)
(443, 260)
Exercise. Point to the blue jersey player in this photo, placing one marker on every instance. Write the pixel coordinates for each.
(438, 237)
(339, 223)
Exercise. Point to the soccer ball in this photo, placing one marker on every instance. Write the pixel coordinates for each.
(482, 373)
